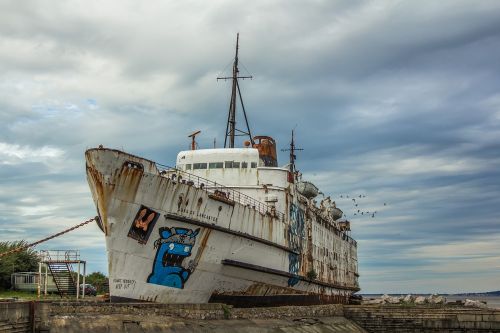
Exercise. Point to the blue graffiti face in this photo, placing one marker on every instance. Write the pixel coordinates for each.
(179, 249)
(174, 245)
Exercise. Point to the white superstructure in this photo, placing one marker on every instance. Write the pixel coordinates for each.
(240, 169)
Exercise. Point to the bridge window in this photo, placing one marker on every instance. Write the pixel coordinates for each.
(253, 165)
(244, 165)
(215, 165)
(199, 166)
(228, 164)
(236, 165)
(188, 166)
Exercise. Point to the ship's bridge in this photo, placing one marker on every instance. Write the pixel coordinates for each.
(231, 167)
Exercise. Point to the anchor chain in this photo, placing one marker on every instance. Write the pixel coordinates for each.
(21, 248)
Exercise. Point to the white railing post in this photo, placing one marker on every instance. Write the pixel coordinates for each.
(84, 273)
(78, 282)
(39, 279)
(46, 280)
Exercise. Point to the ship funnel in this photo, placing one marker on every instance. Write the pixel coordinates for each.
(267, 150)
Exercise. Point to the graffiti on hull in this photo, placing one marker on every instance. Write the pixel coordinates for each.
(143, 224)
(295, 235)
(174, 245)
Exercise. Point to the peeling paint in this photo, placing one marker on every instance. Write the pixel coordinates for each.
(120, 190)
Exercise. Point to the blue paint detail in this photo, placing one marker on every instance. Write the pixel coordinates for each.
(293, 267)
(296, 235)
(174, 245)
(293, 281)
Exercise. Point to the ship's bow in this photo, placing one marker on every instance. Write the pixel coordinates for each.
(109, 170)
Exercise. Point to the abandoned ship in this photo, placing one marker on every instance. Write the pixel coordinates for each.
(224, 225)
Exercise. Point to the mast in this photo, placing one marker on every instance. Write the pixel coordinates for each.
(293, 157)
(232, 105)
(235, 89)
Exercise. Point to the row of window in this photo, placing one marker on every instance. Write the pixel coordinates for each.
(220, 165)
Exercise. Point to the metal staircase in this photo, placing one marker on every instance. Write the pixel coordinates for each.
(60, 264)
(61, 272)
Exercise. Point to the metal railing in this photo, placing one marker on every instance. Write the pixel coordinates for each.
(224, 192)
(59, 255)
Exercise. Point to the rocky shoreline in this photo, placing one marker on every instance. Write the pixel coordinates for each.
(421, 300)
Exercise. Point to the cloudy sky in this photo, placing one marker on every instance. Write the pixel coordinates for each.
(397, 101)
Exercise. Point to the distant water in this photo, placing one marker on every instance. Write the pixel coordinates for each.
(491, 301)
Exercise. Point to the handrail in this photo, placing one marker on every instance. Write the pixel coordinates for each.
(59, 255)
(218, 189)
(230, 194)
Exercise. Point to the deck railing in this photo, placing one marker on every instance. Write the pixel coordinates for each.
(59, 255)
(219, 190)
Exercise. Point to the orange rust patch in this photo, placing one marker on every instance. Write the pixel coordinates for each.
(102, 194)
(129, 179)
(203, 245)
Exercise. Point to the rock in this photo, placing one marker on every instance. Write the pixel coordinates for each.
(409, 298)
(436, 299)
(473, 303)
(420, 300)
(390, 299)
(394, 300)
(372, 301)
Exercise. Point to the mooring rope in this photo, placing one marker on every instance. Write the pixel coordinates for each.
(24, 247)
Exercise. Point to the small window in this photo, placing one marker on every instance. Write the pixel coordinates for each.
(253, 165)
(215, 165)
(188, 166)
(199, 166)
(228, 164)
(236, 165)
(244, 165)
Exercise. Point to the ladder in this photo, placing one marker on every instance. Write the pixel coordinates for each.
(63, 278)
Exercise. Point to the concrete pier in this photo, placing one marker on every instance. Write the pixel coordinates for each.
(426, 318)
(55, 317)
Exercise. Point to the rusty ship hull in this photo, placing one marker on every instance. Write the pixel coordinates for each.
(175, 237)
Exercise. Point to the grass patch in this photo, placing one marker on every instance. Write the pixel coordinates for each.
(32, 296)
(227, 311)
(26, 295)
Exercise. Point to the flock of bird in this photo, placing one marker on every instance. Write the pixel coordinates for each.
(357, 210)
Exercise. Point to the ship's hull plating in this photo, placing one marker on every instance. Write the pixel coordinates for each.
(169, 241)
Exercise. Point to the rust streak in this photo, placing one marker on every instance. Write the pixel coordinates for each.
(203, 245)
